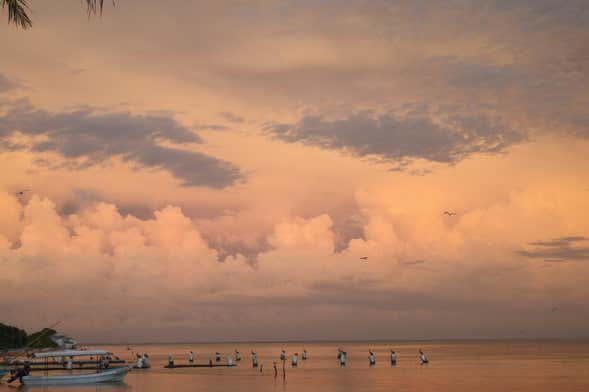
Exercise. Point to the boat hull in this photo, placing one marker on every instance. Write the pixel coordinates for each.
(106, 376)
(201, 365)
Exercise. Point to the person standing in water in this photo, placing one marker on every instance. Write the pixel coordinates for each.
(217, 357)
(275, 370)
(171, 361)
(229, 360)
(284, 370)
(305, 355)
(393, 357)
(295, 360)
(422, 357)
(342, 358)
(191, 357)
(282, 355)
(237, 356)
(254, 359)
(139, 363)
(371, 358)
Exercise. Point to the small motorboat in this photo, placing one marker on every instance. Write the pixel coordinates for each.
(115, 374)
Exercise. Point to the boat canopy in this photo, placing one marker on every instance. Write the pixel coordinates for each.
(71, 353)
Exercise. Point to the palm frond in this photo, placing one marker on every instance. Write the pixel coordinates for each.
(96, 5)
(17, 13)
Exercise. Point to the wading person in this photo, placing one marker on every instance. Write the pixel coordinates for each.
(393, 357)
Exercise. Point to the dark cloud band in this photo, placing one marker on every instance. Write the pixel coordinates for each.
(558, 249)
(399, 137)
(92, 137)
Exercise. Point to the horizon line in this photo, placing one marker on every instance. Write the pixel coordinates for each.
(342, 340)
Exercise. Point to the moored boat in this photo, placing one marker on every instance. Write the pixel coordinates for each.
(112, 375)
(116, 374)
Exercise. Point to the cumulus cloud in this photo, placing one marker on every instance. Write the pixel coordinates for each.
(86, 137)
(394, 137)
(160, 275)
(8, 84)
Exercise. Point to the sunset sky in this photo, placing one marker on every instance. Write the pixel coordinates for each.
(214, 170)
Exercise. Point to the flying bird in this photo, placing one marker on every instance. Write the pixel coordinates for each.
(449, 213)
(20, 193)
(364, 258)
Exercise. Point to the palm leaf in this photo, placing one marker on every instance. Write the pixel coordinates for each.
(96, 5)
(17, 12)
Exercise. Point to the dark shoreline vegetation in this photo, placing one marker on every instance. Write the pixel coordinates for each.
(14, 337)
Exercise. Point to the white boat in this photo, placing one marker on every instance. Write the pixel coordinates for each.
(116, 374)
(107, 376)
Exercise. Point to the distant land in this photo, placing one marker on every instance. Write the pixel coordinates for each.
(14, 337)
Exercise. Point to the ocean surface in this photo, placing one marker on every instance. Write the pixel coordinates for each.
(454, 366)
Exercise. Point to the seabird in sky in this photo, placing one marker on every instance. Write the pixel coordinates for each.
(364, 258)
(20, 193)
(449, 213)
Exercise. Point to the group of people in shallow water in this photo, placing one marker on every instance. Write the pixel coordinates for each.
(342, 357)
(142, 361)
(191, 359)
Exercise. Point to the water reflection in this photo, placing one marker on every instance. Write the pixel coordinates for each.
(453, 366)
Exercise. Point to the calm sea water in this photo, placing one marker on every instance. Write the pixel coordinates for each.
(454, 366)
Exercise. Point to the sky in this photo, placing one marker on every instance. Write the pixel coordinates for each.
(214, 171)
